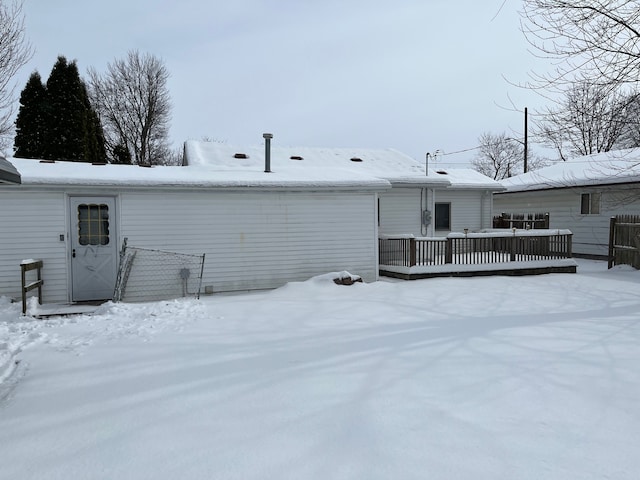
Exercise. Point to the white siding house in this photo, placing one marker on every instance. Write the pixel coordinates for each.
(314, 211)
(581, 195)
(257, 230)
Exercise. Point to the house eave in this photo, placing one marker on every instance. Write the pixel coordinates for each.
(376, 186)
(424, 182)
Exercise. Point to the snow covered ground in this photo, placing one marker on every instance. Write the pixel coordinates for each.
(451, 378)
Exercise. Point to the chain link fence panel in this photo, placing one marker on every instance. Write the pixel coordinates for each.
(146, 275)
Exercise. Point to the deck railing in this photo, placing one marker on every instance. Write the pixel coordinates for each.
(475, 248)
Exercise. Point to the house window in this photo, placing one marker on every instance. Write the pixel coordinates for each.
(590, 203)
(93, 224)
(443, 216)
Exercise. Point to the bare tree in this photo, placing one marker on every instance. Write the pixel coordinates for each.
(499, 156)
(585, 39)
(590, 119)
(134, 106)
(15, 52)
(630, 135)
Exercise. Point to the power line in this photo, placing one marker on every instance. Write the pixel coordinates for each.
(460, 151)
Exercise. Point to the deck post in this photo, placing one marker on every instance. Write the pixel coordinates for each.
(412, 252)
(612, 239)
(512, 253)
(448, 251)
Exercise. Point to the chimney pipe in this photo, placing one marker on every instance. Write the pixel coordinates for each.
(267, 151)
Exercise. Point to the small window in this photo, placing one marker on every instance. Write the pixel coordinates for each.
(590, 203)
(443, 216)
(93, 224)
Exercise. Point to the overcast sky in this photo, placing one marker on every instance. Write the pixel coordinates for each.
(414, 75)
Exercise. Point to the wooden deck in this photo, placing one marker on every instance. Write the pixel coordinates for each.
(512, 252)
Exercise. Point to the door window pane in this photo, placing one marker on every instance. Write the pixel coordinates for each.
(93, 224)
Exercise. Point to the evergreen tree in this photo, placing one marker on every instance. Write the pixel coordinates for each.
(66, 128)
(121, 154)
(57, 121)
(94, 135)
(30, 128)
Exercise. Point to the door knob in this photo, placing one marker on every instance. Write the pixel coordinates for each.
(73, 253)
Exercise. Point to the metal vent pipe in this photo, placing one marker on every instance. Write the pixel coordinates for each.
(267, 151)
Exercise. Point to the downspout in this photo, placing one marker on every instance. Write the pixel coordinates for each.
(432, 207)
(424, 227)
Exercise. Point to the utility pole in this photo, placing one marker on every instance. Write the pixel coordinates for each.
(525, 140)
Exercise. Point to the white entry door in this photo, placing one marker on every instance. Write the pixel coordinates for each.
(93, 248)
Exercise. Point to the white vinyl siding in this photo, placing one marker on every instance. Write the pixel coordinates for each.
(30, 227)
(251, 240)
(258, 240)
(467, 209)
(400, 211)
(590, 232)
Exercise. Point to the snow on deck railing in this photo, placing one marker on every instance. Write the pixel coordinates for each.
(475, 248)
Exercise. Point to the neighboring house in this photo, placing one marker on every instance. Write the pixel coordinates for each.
(581, 195)
(315, 213)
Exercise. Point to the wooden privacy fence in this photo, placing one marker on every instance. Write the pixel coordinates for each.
(624, 241)
(475, 248)
(522, 220)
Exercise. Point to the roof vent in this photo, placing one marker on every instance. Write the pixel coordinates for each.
(296, 157)
(98, 163)
(267, 151)
(47, 161)
(241, 155)
(356, 159)
(441, 172)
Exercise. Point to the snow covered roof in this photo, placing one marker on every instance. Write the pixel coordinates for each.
(388, 164)
(8, 173)
(35, 172)
(615, 167)
(382, 164)
(214, 165)
(468, 178)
